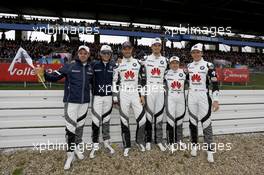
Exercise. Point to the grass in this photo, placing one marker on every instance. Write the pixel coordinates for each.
(256, 83)
(31, 86)
(18, 171)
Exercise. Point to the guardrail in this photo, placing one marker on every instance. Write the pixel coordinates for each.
(32, 117)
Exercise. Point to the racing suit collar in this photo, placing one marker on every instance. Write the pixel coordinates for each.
(175, 71)
(127, 59)
(154, 56)
(104, 62)
(81, 63)
(198, 62)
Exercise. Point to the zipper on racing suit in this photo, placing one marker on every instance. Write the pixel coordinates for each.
(105, 78)
(83, 85)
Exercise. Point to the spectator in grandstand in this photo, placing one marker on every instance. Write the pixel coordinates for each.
(8, 49)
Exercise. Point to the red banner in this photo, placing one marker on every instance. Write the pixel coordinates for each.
(233, 75)
(22, 72)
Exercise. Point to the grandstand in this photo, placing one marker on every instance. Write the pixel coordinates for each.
(237, 48)
(38, 49)
(225, 49)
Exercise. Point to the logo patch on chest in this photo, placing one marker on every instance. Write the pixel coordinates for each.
(76, 71)
(129, 74)
(155, 71)
(202, 67)
(176, 85)
(196, 78)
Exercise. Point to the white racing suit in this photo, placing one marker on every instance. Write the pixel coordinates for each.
(75, 115)
(102, 99)
(200, 75)
(128, 74)
(154, 70)
(175, 104)
(101, 110)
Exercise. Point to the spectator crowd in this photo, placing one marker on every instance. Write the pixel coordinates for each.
(39, 49)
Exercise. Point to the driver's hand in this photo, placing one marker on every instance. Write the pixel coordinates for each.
(115, 102)
(215, 106)
(142, 100)
(39, 70)
(119, 60)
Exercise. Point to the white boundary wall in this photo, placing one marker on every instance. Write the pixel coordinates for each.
(28, 117)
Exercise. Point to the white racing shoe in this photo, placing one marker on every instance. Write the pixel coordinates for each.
(148, 146)
(95, 148)
(126, 151)
(109, 147)
(210, 157)
(172, 148)
(161, 147)
(79, 153)
(194, 151)
(70, 159)
(141, 148)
